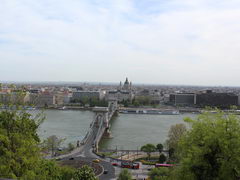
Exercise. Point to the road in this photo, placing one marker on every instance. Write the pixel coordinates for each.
(85, 152)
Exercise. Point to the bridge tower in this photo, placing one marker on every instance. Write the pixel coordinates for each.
(112, 106)
(101, 122)
(100, 126)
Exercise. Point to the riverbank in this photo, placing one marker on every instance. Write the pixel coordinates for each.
(163, 110)
(131, 109)
(70, 108)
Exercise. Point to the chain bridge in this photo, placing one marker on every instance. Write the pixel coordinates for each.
(98, 128)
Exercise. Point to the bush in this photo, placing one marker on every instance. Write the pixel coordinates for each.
(147, 162)
(159, 173)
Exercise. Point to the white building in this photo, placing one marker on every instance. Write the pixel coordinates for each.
(123, 93)
(80, 95)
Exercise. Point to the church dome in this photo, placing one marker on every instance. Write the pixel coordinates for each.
(126, 82)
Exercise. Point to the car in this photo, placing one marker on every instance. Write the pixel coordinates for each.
(115, 164)
(105, 171)
(96, 161)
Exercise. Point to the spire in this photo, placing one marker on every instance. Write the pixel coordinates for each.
(120, 85)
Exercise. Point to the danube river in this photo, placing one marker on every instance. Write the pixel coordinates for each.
(71, 125)
(129, 131)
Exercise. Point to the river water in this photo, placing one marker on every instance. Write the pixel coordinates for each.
(71, 125)
(129, 131)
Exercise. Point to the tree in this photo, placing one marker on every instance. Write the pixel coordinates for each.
(70, 147)
(210, 149)
(20, 156)
(159, 147)
(125, 175)
(148, 148)
(162, 158)
(52, 143)
(19, 152)
(174, 135)
(159, 173)
(84, 173)
(170, 153)
(66, 172)
(85, 100)
(136, 103)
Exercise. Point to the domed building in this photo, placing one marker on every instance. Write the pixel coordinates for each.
(123, 93)
(127, 86)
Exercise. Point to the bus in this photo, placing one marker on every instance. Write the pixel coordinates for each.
(130, 165)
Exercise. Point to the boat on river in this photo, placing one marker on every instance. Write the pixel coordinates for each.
(150, 111)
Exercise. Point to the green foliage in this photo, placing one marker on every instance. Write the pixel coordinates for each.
(171, 153)
(97, 102)
(49, 169)
(159, 147)
(210, 150)
(18, 148)
(147, 162)
(142, 100)
(159, 173)
(125, 175)
(162, 158)
(174, 135)
(125, 103)
(85, 173)
(52, 143)
(136, 103)
(66, 173)
(148, 148)
(70, 147)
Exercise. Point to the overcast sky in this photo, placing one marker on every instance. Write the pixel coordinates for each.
(192, 42)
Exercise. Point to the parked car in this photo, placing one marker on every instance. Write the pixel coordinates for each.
(96, 160)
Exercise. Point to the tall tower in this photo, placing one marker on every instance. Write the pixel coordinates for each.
(120, 86)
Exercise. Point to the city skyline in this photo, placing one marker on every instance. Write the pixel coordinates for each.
(152, 42)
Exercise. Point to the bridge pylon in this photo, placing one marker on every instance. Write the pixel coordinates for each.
(100, 126)
(101, 122)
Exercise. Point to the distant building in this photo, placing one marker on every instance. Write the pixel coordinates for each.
(127, 86)
(14, 98)
(222, 100)
(46, 99)
(182, 99)
(67, 98)
(80, 95)
(34, 91)
(59, 98)
(122, 93)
